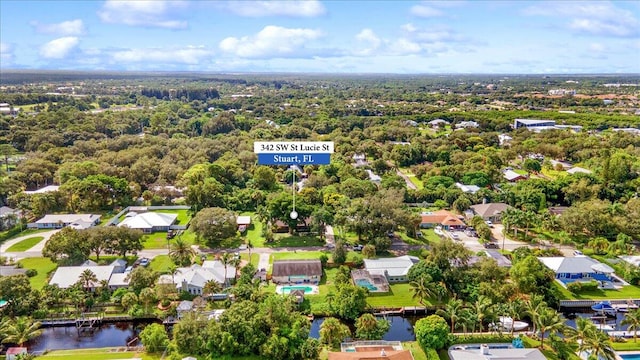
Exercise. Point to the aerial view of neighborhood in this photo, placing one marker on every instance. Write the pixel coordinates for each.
(278, 194)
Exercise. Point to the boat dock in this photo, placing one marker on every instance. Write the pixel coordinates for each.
(619, 304)
(621, 333)
(407, 310)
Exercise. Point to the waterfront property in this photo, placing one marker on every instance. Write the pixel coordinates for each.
(582, 268)
(58, 221)
(149, 222)
(193, 279)
(493, 351)
(67, 276)
(393, 269)
(378, 349)
(296, 271)
(373, 281)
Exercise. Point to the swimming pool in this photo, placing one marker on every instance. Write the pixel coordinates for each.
(365, 283)
(630, 356)
(287, 289)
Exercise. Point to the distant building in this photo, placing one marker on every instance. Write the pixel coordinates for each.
(443, 218)
(490, 211)
(504, 139)
(46, 189)
(533, 123)
(373, 177)
(492, 351)
(513, 176)
(437, 123)
(394, 269)
(467, 124)
(469, 189)
(562, 92)
(633, 131)
(578, 169)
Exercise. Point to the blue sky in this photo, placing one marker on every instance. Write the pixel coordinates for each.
(323, 36)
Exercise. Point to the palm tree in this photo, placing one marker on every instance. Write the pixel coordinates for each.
(551, 321)
(483, 307)
(598, 345)
(181, 253)
(452, 312)
(633, 320)
(87, 279)
(225, 259)
(249, 247)
(421, 288)
(211, 287)
(515, 309)
(20, 330)
(468, 319)
(533, 307)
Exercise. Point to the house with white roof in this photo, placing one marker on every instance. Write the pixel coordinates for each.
(578, 268)
(494, 351)
(46, 189)
(67, 276)
(469, 189)
(192, 279)
(512, 176)
(243, 221)
(58, 221)
(374, 178)
(394, 269)
(149, 222)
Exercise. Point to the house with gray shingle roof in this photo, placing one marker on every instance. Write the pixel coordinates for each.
(490, 211)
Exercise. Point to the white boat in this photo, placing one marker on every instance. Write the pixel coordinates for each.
(507, 324)
(603, 326)
(625, 307)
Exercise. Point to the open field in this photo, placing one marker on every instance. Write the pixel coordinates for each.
(43, 266)
(25, 244)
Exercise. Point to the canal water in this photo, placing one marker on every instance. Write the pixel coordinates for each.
(67, 337)
(121, 334)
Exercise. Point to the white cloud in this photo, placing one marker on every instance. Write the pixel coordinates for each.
(190, 55)
(425, 11)
(271, 41)
(370, 41)
(71, 27)
(597, 47)
(59, 48)
(146, 13)
(602, 18)
(293, 8)
(6, 54)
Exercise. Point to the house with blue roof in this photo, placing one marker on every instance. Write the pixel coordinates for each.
(580, 268)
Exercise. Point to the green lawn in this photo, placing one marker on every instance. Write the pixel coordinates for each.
(627, 292)
(399, 295)
(302, 255)
(26, 232)
(416, 350)
(184, 216)
(43, 266)
(161, 263)
(254, 232)
(255, 258)
(629, 345)
(25, 244)
(287, 240)
(157, 240)
(98, 354)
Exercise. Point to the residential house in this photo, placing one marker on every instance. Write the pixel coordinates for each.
(67, 276)
(467, 125)
(504, 139)
(500, 259)
(578, 268)
(46, 189)
(376, 179)
(493, 351)
(296, 271)
(149, 222)
(359, 160)
(192, 279)
(490, 211)
(513, 176)
(119, 265)
(565, 165)
(184, 307)
(468, 189)
(303, 225)
(371, 350)
(437, 123)
(394, 269)
(243, 222)
(446, 219)
(58, 221)
(9, 216)
(533, 123)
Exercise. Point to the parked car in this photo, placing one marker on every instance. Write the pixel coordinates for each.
(489, 223)
(144, 262)
(455, 236)
(491, 245)
(419, 233)
(357, 247)
(577, 253)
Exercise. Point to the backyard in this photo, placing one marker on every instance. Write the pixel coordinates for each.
(43, 266)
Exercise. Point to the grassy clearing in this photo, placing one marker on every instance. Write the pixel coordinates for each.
(161, 263)
(399, 295)
(43, 266)
(98, 354)
(156, 240)
(254, 232)
(416, 350)
(286, 240)
(627, 292)
(25, 244)
(184, 216)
